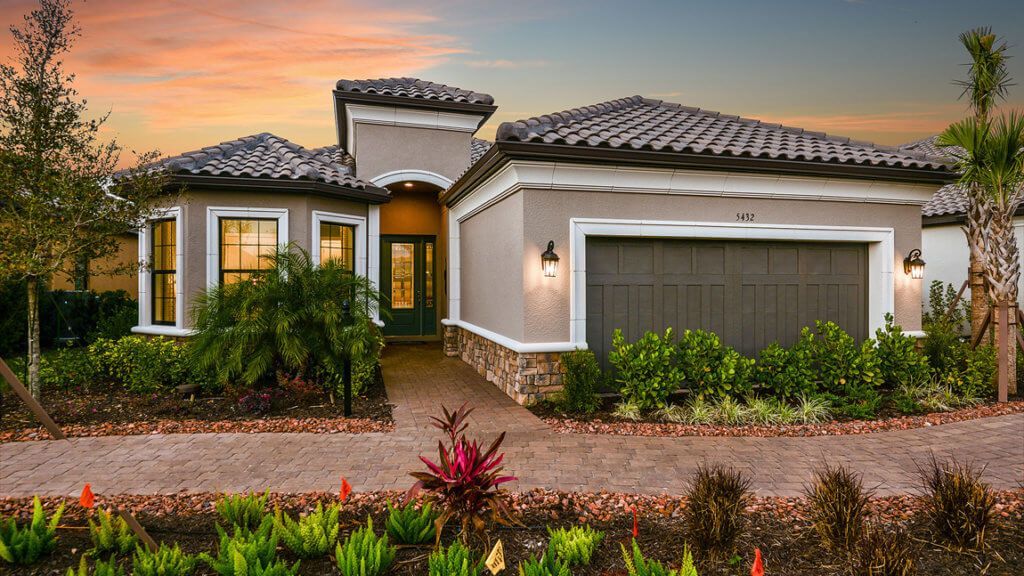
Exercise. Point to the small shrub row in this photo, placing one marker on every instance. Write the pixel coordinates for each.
(729, 411)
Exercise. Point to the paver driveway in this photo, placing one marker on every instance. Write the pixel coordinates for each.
(419, 379)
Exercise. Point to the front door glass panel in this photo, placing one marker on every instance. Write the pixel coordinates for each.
(402, 276)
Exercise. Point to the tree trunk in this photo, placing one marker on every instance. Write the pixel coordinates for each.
(34, 358)
(979, 300)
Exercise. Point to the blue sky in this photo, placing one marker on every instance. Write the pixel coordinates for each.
(181, 74)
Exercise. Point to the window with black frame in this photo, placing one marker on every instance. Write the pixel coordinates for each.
(163, 271)
(337, 244)
(245, 247)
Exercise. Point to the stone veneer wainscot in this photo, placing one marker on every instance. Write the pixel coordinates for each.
(525, 377)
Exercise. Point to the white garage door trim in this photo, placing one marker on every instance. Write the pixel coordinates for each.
(880, 242)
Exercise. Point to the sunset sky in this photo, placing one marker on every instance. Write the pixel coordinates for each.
(182, 74)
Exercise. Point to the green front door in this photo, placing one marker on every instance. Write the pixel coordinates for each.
(407, 283)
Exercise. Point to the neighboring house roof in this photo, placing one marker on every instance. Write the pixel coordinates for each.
(415, 88)
(477, 149)
(268, 157)
(638, 123)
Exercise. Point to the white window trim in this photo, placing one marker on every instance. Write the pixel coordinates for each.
(358, 236)
(213, 216)
(880, 242)
(146, 325)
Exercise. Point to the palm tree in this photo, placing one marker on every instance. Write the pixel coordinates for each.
(990, 158)
(987, 81)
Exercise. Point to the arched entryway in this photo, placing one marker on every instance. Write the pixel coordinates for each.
(411, 262)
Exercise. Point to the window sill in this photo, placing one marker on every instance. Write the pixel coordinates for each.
(157, 330)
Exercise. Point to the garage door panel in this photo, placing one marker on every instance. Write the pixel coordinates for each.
(750, 293)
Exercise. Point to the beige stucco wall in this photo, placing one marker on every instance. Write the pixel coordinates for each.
(381, 149)
(194, 221)
(491, 283)
(101, 279)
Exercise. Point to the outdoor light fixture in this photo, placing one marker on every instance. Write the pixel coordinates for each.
(408, 184)
(549, 260)
(913, 265)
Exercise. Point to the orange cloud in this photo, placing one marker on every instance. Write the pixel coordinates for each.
(186, 72)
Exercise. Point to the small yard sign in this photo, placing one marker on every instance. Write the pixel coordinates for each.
(496, 559)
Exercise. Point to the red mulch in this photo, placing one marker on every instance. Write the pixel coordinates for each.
(570, 425)
(777, 526)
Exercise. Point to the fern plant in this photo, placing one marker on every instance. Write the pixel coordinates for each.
(364, 553)
(407, 525)
(245, 511)
(688, 568)
(245, 550)
(109, 568)
(111, 534)
(548, 564)
(313, 535)
(576, 545)
(166, 561)
(638, 565)
(454, 561)
(26, 544)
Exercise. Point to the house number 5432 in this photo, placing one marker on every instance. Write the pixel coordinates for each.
(744, 216)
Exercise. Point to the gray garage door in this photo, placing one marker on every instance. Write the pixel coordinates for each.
(749, 293)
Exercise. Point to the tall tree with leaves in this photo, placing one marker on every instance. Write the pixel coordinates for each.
(62, 197)
(989, 153)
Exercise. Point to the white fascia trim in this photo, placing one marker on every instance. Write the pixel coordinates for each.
(145, 277)
(359, 235)
(415, 118)
(373, 252)
(514, 345)
(159, 330)
(213, 216)
(880, 241)
(406, 175)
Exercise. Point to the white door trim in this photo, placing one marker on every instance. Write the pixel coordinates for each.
(880, 241)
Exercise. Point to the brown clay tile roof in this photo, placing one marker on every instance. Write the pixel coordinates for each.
(268, 156)
(638, 123)
(477, 149)
(950, 200)
(415, 88)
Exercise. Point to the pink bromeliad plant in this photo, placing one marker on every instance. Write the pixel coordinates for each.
(465, 481)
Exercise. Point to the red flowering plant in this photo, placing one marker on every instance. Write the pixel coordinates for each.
(465, 481)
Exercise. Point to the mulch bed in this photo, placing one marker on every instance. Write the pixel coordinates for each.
(113, 412)
(603, 422)
(778, 526)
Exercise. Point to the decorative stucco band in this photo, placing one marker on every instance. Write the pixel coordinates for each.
(524, 376)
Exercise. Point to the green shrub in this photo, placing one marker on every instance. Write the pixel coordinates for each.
(714, 515)
(101, 568)
(111, 534)
(581, 379)
(860, 402)
(628, 411)
(365, 367)
(979, 372)
(842, 364)
(673, 413)
(141, 364)
(547, 564)
(166, 561)
(364, 553)
(290, 318)
(454, 561)
(646, 369)
(638, 565)
(313, 535)
(575, 546)
(884, 552)
(245, 511)
(813, 409)
(27, 544)
(699, 411)
(785, 372)
(710, 368)
(116, 314)
(898, 359)
(838, 504)
(959, 504)
(943, 344)
(407, 525)
(68, 368)
(248, 552)
(730, 411)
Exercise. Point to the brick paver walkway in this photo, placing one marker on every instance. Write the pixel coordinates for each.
(419, 379)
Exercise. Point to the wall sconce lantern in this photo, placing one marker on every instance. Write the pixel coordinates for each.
(549, 260)
(913, 265)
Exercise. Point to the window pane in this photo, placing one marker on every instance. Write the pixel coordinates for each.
(164, 261)
(428, 273)
(402, 297)
(243, 242)
(337, 244)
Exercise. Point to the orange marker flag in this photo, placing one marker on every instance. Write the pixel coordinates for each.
(346, 489)
(87, 500)
(758, 568)
(636, 525)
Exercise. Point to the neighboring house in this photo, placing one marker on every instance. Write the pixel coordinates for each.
(660, 215)
(114, 272)
(943, 242)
